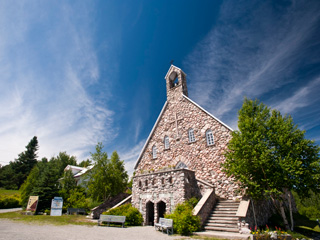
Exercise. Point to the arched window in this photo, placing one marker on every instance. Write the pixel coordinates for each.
(191, 135)
(154, 152)
(209, 137)
(166, 142)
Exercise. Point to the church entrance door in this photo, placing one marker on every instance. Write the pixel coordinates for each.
(150, 213)
(161, 207)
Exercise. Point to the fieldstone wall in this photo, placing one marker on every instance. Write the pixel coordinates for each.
(170, 187)
(198, 156)
(263, 211)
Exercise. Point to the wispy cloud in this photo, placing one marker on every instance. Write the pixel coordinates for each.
(254, 50)
(48, 63)
(303, 97)
(131, 155)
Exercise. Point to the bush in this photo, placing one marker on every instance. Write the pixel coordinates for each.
(133, 216)
(184, 222)
(77, 199)
(9, 201)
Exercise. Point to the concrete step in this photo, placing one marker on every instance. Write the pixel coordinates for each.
(224, 212)
(223, 218)
(223, 229)
(222, 221)
(223, 215)
(224, 225)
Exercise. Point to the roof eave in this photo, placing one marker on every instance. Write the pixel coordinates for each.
(148, 139)
(208, 113)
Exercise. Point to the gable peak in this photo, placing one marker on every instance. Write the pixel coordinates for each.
(176, 82)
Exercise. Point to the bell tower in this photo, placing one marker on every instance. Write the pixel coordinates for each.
(176, 83)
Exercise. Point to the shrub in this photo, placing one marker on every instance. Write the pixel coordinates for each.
(184, 222)
(12, 201)
(133, 216)
(77, 199)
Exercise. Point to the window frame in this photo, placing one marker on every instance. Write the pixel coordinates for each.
(191, 137)
(154, 152)
(209, 137)
(166, 142)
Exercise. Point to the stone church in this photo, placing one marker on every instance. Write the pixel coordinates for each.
(181, 157)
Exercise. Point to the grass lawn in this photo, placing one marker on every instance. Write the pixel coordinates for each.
(4, 192)
(45, 219)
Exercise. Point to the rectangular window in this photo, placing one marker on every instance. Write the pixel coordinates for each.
(191, 136)
(154, 152)
(166, 142)
(209, 137)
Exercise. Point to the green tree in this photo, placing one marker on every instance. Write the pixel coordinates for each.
(28, 185)
(63, 160)
(6, 181)
(85, 163)
(47, 186)
(25, 162)
(77, 199)
(308, 206)
(270, 156)
(98, 184)
(67, 184)
(118, 176)
(108, 177)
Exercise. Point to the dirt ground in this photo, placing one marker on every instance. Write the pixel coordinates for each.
(11, 230)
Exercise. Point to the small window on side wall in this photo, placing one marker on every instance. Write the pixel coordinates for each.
(191, 135)
(154, 152)
(166, 142)
(209, 137)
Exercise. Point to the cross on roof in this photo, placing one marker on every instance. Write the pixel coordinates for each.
(176, 122)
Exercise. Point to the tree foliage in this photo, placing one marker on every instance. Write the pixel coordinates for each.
(270, 156)
(108, 176)
(14, 174)
(308, 206)
(43, 180)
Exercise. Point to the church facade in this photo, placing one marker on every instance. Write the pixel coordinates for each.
(182, 156)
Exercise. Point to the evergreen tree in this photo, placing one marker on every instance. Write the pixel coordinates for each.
(47, 185)
(270, 156)
(28, 185)
(6, 175)
(24, 163)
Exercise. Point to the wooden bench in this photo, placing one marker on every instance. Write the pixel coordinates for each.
(111, 219)
(165, 224)
(71, 211)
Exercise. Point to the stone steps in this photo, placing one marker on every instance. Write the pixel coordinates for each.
(223, 217)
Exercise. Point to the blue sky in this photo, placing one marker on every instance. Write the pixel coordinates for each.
(74, 73)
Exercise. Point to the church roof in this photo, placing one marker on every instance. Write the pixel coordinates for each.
(173, 67)
(159, 117)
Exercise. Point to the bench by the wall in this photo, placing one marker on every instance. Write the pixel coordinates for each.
(77, 211)
(164, 224)
(111, 219)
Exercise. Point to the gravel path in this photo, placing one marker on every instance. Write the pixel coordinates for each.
(20, 231)
(10, 210)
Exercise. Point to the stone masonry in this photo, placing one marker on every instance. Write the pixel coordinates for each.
(167, 187)
(179, 114)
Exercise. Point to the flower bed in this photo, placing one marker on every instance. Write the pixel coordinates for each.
(267, 234)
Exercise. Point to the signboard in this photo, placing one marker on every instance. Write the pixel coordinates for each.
(56, 206)
(33, 203)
